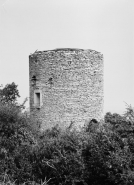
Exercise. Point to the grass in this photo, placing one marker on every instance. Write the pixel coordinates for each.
(5, 180)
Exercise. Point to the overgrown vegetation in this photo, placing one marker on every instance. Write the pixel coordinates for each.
(99, 154)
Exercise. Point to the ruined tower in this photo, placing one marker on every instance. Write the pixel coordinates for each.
(66, 86)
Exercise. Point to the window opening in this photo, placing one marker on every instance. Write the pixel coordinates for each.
(50, 81)
(34, 80)
(37, 99)
(36, 61)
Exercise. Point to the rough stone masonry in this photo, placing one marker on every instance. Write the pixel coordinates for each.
(66, 86)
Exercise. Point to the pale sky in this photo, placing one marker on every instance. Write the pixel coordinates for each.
(102, 25)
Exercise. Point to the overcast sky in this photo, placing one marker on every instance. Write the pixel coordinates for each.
(102, 25)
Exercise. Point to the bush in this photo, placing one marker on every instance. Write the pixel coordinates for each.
(102, 153)
(105, 161)
(16, 140)
(57, 157)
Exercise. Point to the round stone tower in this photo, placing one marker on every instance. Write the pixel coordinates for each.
(66, 86)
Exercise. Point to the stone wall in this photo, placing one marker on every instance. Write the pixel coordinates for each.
(70, 83)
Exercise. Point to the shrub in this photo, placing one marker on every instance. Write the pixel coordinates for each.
(102, 153)
(16, 140)
(58, 157)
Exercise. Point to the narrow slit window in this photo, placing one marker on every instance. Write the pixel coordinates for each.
(34, 80)
(37, 99)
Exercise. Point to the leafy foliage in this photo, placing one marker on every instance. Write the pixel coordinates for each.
(9, 93)
(15, 140)
(100, 154)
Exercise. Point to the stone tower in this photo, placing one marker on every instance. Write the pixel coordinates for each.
(66, 86)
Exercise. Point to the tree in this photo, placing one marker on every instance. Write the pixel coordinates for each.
(129, 114)
(9, 94)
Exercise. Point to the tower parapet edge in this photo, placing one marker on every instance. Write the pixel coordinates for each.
(66, 86)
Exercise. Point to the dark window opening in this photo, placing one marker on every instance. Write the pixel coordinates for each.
(37, 99)
(34, 80)
(34, 77)
(36, 60)
(50, 80)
